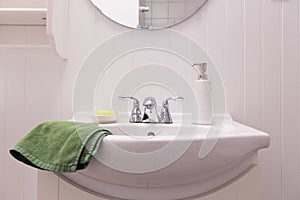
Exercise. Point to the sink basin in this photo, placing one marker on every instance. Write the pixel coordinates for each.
(169, 161)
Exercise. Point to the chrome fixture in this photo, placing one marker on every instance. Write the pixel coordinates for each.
(165, 114)
(150, 114)
(201, 69)
(143, 27)
(144, 9)
(136, 114)
(150, 111)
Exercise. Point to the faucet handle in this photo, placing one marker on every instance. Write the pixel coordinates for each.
(165, 115)
(136, 114)
(166, 102)
(136, 101)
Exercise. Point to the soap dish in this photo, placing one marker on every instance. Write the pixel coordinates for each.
(106, 116)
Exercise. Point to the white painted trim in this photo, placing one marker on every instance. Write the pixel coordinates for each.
(23, 46)
(23, 9)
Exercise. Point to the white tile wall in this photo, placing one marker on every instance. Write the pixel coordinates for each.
(162, 13)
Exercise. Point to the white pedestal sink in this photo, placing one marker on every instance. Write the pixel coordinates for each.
(180, 161)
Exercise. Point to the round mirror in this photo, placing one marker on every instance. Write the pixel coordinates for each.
(148, 14)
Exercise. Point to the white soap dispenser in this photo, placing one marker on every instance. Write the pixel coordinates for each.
(202, 89)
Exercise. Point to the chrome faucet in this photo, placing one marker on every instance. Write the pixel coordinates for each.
(136, 114)
(150, 111)
(165, 114)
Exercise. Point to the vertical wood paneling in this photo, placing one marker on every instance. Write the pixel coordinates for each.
(43, 99)
(247, 47)
(299, 97)
(234, 59)
(68, 192)
(43, 85)
(53, 66)
(12, 35)
(30, 92)
(290, 98)
(253, 64)
(2, 124)
(34, 108)
(271, 160)
(203, 26)
(216, 27)
(257, 52)
(35, 35)
(48, 186)
(80, 49)
(198, 32)
(14, 121)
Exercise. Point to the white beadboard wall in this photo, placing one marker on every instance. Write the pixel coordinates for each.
(30, 92)
(255, 43)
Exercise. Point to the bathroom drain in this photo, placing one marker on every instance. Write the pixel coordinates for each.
(151, 134)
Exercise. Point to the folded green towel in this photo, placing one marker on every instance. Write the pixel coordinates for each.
(62, 146)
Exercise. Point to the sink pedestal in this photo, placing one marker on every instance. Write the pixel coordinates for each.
(246, 187)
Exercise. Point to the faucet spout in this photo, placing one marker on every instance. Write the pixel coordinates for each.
(150, 111)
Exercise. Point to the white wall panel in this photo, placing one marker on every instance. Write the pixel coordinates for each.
(233, 72)
(290, 100)
(271, 160)
(249, 43)
(2, 120)
(14, 120)
(216, 13)
(254, 43)
(215, 42)
(198, 32)
(12, 35)
(30, 92)
(253, 63)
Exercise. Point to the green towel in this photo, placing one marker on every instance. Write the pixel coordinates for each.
(60, 146)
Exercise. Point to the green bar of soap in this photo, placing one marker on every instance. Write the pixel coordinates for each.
(106, 113)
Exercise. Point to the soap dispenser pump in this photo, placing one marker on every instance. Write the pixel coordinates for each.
(202, 88)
